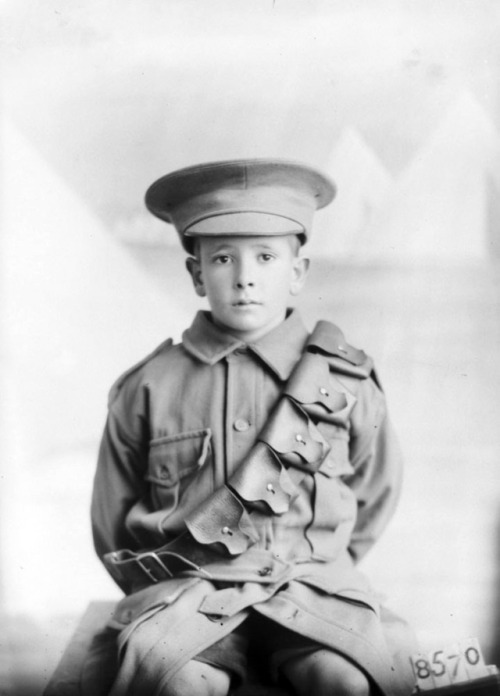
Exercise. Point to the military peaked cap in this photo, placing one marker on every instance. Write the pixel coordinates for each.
(250, 197)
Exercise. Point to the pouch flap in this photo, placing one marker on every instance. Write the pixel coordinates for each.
(330, 340)
(310, 384)
(262, 477)
(337, 463)
(223, 519)
(293, 436)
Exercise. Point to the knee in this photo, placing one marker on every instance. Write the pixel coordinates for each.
(350, 682)
(196, 678)
(335, 674)
(325, 673)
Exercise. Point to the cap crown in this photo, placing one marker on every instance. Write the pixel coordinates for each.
(240, 198)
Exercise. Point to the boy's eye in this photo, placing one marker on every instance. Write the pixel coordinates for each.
(266, 257)
(222, 259)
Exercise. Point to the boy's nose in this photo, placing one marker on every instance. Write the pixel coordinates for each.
(241, 284)
(244, 275)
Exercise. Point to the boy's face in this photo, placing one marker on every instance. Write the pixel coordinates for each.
(248, 281)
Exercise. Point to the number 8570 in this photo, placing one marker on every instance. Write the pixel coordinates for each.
(440, 664)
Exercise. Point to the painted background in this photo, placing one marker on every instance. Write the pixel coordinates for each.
(400, 103)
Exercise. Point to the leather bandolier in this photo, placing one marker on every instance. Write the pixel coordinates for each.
(289, 447)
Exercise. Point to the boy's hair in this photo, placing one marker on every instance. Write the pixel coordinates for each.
(294, 239)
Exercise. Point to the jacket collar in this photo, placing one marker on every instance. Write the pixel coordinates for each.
(280, 349)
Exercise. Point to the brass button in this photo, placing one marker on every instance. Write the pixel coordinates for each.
(270, 488)
(241, 425)
(323, 391)
(226, 530)
(342, 349)
(300, 439)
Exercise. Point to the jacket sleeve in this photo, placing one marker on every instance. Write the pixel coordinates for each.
(119, 481)
(376, 458)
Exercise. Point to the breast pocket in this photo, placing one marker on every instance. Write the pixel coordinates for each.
(173, 462)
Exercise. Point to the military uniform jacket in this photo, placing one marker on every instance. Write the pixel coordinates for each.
(179, 426)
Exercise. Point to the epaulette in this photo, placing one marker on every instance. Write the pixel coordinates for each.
(113, 392)
(329, 340)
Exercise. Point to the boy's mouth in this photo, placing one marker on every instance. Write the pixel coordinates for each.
(245, 303)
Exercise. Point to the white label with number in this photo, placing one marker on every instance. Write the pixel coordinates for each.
(459, 662)
(439, 665)
(474, 661)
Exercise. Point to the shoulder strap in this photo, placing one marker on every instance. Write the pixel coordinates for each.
(113, 392)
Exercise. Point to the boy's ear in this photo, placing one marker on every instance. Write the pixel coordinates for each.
(194, 269)
(299, 274)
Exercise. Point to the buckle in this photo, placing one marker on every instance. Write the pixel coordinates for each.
(151, 570)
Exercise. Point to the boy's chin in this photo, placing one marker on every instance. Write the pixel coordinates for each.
(245, 327)
(249, 330)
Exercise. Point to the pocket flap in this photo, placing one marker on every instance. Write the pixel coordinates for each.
(174, 457)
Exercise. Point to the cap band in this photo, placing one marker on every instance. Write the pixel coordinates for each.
(251, 223)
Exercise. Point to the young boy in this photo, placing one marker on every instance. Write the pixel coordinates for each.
(244, 471)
